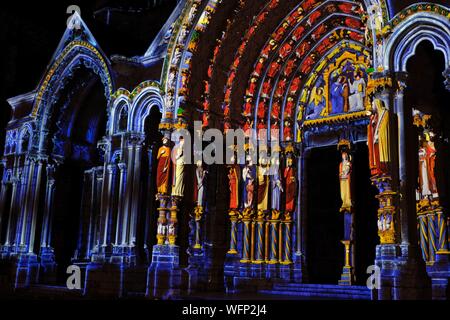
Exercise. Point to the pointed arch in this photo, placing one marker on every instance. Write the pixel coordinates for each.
(409, 33)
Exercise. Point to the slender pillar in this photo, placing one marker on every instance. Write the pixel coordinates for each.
(10, 234)
(246, 237)
(274, 223)
(35, 206)
(3, 192)
(287, 232)
(25, 198)
(137, 157)
(423, 235)
(198, 214)
(258, 226)
(111, 179)
(173, 221)
(432, 235)
(234, 219)
(120, 212)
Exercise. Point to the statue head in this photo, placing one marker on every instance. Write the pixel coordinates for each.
(289, 161)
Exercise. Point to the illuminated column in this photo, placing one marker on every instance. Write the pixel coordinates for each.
(48, 207)
(246, 225)
(443, 234)
(137, 143)
(258, 230)
(234, 219)
(3, 189)
(286, 239)
(345, 178)
(161, 235)
(423, 235)
(267, 237)
(274, 223)
(25, 199)
(13, 213)
(431, 219)
(110, 181)
(172, 228)
(120, 212)
(34, 206)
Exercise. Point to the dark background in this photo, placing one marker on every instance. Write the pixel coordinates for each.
(30, 33)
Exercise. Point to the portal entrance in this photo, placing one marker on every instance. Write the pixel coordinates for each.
(325, 224)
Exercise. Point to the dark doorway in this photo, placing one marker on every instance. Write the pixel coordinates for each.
(67, 213)
(146, 232)
(426, 92)
(76, 129)
(365, 213)
(325, 253)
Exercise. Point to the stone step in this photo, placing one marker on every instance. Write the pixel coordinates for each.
(316, 295)
(320, 291)
(47, 291)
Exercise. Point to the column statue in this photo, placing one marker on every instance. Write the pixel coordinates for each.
(290, 185)
(200, 175)
(233, 178)
(345, 170)
(178, 186)
(263, 186)
(378, 139)
(163, 168)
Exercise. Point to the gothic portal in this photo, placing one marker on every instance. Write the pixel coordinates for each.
(355, 205)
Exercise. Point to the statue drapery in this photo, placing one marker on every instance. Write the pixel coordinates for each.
(163, 169)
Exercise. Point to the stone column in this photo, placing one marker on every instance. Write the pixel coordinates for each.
(246, 237)
(301, 215)
(13, 213)
(398, 254)
(3, 192)
(24, 201)
(137, 146)
(35, 205)
(111, 171)
(122, 185)
(47, 254)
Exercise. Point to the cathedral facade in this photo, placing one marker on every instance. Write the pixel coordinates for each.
(353, 202)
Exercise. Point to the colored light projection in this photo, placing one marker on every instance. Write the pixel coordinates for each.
(339, 89)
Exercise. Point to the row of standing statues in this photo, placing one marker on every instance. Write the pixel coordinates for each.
(253, 184)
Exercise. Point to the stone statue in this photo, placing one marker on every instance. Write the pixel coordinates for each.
(200, 175)
(178, 186)
(427, 163)
(163, 168)
(233, 178)
(277, 188)
(345, 170)
(378, 139)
